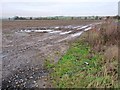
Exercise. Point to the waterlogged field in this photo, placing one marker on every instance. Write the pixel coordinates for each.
(32, 50)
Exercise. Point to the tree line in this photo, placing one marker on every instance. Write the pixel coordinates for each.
(60, 17)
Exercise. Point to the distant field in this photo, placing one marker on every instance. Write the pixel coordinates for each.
(37, 23)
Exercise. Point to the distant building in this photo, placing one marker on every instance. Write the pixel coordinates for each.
(119, 8)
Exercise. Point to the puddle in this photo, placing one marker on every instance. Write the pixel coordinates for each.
(41, 31)
(89, 28)
(24, 31)
(71, 36)
(77, 27)
(77, 34)
(62, 33)
(83, 27)
(57, 29)
(55, 32)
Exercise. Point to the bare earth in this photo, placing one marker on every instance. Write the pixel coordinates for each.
(26, 47)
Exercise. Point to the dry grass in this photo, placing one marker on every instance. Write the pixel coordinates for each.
(104, 40)
(111, 53)
(93, 37)
(103, 35)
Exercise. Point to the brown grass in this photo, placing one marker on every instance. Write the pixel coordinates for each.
(109, 33)
(103, 35)
(111, 53)
(104, 40)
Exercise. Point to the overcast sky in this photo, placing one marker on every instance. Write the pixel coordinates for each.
(37, 8)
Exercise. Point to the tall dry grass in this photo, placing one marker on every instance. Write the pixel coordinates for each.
(104, 40)
(109, 32)
(102, 35)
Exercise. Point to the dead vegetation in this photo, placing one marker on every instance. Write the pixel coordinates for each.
(104, 40)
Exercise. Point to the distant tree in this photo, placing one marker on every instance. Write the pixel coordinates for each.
(85, 18)
(117, 17)
(16, 18)
(56, 18)
(100, 18)
(8, 18)
(30, 18)
(22, 18)
(72, 18)
(96, 18)
(19, 18)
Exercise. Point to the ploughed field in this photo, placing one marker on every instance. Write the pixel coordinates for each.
(26, 45)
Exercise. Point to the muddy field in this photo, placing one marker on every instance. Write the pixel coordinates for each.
(27, 44)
